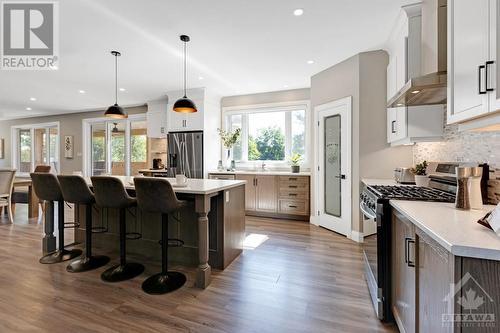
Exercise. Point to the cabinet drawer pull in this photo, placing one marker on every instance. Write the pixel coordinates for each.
(292, 186)
(408, 241)
(479, 71)
(292, 206)
(393, 126)
(487, 65)
(292, 194)
(293, 179)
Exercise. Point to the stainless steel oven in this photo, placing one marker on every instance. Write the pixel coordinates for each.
(376, 253)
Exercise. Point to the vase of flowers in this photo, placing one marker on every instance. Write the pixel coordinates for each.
(420, 172)
(229, 139)
(295, 162)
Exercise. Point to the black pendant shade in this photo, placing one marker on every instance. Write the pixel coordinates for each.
(115, 111)
(184, 104)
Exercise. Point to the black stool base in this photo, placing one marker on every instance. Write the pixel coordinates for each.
(60, 256)
(161, 284)
(87, 264)
(121, 273)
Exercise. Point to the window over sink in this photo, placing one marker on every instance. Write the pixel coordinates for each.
(270, 133)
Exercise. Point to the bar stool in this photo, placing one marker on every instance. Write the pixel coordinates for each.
(156, 195)
(47, 188)
(110, 193)
(76, 191)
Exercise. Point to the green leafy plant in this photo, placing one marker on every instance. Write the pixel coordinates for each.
(295, 159)
(229, 139)
(420, 169)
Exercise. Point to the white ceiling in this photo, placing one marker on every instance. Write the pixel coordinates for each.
(237, 46)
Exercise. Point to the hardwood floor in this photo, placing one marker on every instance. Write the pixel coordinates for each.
(302, 279)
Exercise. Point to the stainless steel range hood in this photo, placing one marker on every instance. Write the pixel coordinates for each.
(431, 87)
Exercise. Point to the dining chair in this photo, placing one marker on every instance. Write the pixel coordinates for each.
(20, 194)
(6, 185)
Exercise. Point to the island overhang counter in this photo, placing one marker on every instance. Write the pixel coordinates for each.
(212, 226)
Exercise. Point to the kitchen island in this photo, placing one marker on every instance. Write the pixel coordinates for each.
(212, 226)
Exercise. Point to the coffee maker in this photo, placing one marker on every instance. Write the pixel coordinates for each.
(157, 164)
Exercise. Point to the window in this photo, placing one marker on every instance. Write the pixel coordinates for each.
(269, 134)
(116, 147)
(35, 145)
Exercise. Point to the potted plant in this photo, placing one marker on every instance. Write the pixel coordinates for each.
(229, 139)
(295, 162)
(420, 172)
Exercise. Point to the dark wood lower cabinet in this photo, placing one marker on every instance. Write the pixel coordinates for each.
(442, 292)
(403, 273)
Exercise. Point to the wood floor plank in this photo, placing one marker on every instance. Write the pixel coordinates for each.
(302, 279)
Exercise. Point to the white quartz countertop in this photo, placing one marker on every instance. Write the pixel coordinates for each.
(456, 230)
(194, 186)
(260, 172)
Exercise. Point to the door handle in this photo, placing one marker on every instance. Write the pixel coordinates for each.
(479, 71)
(340, 176)
(393, 126)
(487, 66)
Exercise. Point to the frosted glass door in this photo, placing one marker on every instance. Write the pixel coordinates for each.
(332, 167)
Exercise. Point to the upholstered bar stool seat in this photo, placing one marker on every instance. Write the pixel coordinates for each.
(47, 188)
(110, 193)
(156, 195)
(76, 191)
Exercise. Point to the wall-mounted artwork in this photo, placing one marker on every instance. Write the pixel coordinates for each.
(2, 149)
(68, 146)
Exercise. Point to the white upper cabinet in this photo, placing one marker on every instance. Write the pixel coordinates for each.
(157, 118)
(468, 52)
(181, 122)
(407, 125)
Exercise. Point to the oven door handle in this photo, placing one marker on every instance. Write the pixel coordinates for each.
(367, 213)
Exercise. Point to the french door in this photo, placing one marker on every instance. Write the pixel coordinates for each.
(35, 145)
(116, 147)
(334, 165)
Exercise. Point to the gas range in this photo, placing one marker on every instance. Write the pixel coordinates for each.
(411, 193)
(375, 208)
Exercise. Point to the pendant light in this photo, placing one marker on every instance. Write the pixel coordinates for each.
(116, 111)
(184, 104)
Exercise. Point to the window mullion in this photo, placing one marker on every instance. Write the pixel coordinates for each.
(244, 143)
(288, 135)
(128, 151)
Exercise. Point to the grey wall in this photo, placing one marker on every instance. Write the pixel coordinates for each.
(268, 97)
(363, 77)
(70, 124)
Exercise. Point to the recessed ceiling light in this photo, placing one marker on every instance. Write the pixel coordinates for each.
(310, 62)
(81, 91)
(298, 12)
(201, 78)
(28, 109)
(122, 89)
(415, 91)
(32, 99)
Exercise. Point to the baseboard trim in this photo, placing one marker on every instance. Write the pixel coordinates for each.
(356, 236)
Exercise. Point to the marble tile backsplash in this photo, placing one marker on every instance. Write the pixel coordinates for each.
(476, 147)
(461, 147)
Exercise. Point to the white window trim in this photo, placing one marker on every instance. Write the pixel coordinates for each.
(86, 136)
(269, 107)
(15, 141)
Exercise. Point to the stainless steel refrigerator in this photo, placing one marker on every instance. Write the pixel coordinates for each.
(185, 154)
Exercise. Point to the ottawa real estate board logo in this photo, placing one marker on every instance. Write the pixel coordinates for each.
(29, 35)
